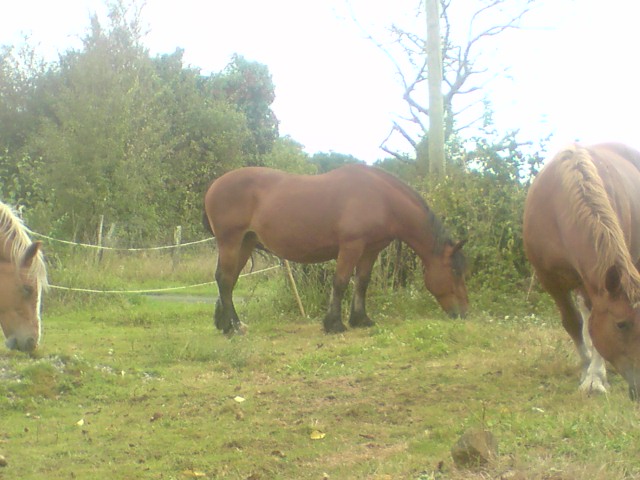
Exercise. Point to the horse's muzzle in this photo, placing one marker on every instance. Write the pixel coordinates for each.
(27, 344)
(633, 379)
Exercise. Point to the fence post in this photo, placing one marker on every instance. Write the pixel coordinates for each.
(100, 251)
(294, 287)
(177, 239)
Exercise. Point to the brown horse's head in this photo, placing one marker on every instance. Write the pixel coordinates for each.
(444, 278)
(20, 301)
(614, 327)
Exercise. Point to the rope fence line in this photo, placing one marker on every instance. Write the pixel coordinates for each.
(177, 245)
(153, 290)
(101, 247)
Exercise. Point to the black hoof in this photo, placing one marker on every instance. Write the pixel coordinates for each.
(335, 328)
(361, 321)
(222, 323)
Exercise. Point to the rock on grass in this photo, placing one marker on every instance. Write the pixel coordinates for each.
(474, 448)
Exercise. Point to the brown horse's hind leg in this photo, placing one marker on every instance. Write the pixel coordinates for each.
(232, 257)
(358, 316)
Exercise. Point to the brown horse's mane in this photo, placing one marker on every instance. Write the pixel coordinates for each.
(592, 208)
(16, 241)
(441, 234)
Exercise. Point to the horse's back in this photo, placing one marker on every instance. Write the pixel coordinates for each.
(305, 217)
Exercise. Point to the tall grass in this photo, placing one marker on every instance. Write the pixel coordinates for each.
(133, 386)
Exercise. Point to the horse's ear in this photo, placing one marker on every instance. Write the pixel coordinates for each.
(612, 280)
(30, 253)
(458, 246)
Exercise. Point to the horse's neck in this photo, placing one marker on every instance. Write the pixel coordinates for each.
(421, 238)
(587, 258)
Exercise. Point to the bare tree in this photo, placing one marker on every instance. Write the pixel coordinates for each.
(463, 73)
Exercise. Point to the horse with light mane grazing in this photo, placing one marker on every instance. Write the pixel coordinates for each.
(349, 214)
(582, 234)
(23, 276)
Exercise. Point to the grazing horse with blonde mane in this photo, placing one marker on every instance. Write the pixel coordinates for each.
(23, 277)
(349, 214)
(582, 234)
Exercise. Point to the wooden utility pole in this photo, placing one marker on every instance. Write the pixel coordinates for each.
(437, 163)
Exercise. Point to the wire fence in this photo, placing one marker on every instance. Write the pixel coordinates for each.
(141, 249)
(102, 247)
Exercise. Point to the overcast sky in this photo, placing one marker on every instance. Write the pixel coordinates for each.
(572, 68)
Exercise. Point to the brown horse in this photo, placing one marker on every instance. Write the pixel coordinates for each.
(582, 233)
(349, 214)
(23, 276)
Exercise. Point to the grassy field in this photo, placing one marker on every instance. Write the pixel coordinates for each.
(144, 388)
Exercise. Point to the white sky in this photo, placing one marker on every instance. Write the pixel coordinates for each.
(572, 69)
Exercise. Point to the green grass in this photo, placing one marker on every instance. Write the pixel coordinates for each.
(137, 387)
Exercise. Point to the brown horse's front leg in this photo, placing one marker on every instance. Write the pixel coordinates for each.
(358, 316)
(348, 257)
(226, 319)
(333, 319)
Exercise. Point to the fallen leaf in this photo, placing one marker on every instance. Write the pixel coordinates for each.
(317, 435)
(194, 474)
(239, 399)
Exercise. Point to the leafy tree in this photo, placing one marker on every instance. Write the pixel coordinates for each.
(249, 86)
(19, 71)
(332, 160)
(206, 137)
(126, 136)
(401, 168)
(288, 155)
(101, 136)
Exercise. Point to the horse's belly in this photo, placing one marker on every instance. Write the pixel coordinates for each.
(300, 251)
(299, 248)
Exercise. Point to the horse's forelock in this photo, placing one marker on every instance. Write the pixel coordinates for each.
(16, 241)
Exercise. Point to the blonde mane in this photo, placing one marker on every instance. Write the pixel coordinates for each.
(591, 209)
(16, 241)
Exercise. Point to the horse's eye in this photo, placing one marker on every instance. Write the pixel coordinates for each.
(624, 325)
(27, 291)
